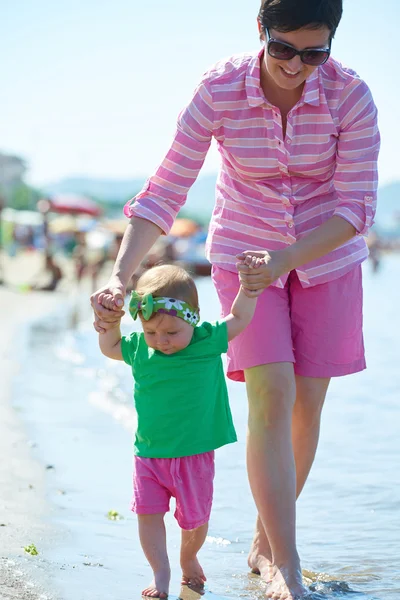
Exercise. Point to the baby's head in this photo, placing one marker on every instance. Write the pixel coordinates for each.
(167, 303)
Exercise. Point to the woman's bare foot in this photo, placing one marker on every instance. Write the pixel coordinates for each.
(260, 555)
(192, 573)
(287, 584)
(159, 587)
(261, 565)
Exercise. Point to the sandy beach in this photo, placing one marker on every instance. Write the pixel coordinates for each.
(24, 507)
(22, 479)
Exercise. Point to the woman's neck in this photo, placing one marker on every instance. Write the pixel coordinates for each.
(279, 97)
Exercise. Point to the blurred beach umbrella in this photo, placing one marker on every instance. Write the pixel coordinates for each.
(72, 204)
(184, 228)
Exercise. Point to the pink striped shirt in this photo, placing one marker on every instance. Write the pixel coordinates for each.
(272, 190)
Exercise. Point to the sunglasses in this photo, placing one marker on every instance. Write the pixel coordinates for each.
(282, 51)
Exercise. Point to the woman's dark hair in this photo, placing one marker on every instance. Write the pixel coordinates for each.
(290, 15)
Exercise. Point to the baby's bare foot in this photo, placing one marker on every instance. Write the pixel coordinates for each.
(192, 573)
(159, 587)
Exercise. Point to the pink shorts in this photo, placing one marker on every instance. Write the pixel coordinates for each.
(318, 328)
(188, 479)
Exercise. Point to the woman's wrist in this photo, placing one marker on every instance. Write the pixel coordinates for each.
(117, 280)
(288, 259)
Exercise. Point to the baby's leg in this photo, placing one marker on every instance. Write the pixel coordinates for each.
(192, 541)
(154, 543)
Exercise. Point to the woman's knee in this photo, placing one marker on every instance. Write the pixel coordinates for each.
(271, 393)
(310, 398)
(311, 392)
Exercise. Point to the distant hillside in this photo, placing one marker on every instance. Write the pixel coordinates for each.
(200, 201)
(110, 190)
(199, 204)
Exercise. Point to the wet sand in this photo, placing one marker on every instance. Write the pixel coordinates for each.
(23, 504)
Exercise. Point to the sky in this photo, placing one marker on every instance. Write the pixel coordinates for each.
(93, 87)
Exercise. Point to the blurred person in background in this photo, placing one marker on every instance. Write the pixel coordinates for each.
(52, 276)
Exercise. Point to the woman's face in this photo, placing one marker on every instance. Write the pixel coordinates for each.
(290, 74)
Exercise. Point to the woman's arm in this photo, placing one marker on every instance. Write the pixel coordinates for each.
(335, 232)
(154, 209)
(139, 237)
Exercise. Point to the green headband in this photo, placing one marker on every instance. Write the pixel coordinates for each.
(148, 306)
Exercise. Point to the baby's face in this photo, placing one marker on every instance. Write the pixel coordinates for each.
(166, 333)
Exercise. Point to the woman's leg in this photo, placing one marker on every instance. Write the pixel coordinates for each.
(271, 469)
(154, 543)
(192, 542)
(310, 397)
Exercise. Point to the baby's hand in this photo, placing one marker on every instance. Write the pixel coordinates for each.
(253, 262)
(107, 300)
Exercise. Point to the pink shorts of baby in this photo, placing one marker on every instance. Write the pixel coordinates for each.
(188, 479)
(318, 328)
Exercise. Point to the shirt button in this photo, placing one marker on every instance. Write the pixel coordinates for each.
(288, 141)
(290, 225)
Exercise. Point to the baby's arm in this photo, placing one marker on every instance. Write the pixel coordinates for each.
(241, 314)
(244, 305)
(110, 342)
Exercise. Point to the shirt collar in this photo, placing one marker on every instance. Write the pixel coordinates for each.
(255, 95)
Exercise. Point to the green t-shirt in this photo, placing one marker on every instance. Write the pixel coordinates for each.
(181, 399)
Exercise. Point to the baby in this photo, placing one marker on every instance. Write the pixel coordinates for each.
(183, 411)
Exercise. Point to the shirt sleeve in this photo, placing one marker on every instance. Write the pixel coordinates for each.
(216, 335)
(129, 344)
(356, 175)
(164, 194)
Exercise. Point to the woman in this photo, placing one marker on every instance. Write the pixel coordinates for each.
(298, 138)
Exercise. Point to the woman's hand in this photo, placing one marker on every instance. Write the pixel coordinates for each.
(108, 303)
(259, 269)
